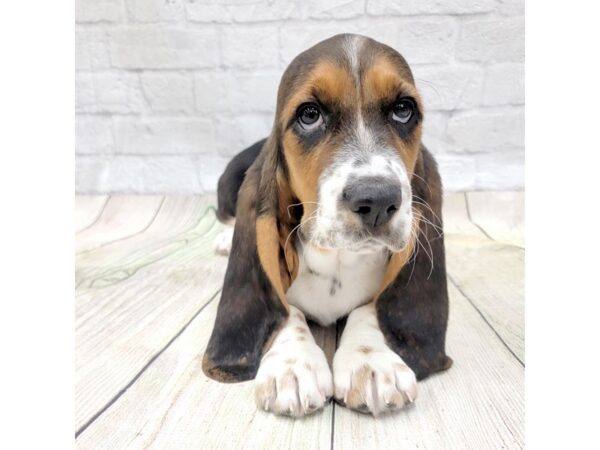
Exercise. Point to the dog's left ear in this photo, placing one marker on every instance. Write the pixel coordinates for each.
(412, 305)
(262, 265)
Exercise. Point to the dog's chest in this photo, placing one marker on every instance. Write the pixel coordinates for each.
(332, 283)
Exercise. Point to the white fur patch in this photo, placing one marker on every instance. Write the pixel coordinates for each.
(223, 241)
(368, 375)
(293, 378)
(328, 227)
(352, 48)
(331, 283)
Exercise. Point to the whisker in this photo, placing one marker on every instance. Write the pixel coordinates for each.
(430, 255)
(436, 228)
(424, 182)
(414, 257)
(311, 217)
(426, 205)
(298, 204)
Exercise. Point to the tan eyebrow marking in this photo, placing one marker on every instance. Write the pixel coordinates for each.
(383, 80)
(331, 82)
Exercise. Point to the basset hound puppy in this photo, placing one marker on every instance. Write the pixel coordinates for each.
(337, 213)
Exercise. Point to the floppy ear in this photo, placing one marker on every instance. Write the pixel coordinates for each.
(253, 304)
(412, 307)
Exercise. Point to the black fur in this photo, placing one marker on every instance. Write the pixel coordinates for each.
(249, 309)
(413, 311)
(232, 178)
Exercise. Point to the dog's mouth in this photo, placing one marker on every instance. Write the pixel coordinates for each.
(341, 234)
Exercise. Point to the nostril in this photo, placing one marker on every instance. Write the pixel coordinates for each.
(363, 210)
(392, 209)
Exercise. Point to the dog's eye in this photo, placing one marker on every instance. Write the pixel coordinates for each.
(309, 116)
(403, 110)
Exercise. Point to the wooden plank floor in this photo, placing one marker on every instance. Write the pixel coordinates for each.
(148, 283)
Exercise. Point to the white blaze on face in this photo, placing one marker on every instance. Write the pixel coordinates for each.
(333, 224)
(352, 46)
(363, 155)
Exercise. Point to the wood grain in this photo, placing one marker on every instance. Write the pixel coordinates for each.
(131, 309)
(177, 216)
(500, 214)
(491, 276)
(147, 291)
(173, 406)
(489, 272)
(88, 209)
(123, 216)
(456, 216)
(477, 404)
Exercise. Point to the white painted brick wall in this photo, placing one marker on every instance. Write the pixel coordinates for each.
(168, 90)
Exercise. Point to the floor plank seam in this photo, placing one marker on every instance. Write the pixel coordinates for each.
(473, 222)
(142, 266)
(128, 236)
(123, 390)
(480, 228)
(485, 319)
(108, 197)
(333, 404)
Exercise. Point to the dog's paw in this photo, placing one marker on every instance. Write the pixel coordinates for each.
(293, 379)
(223, 241)
(372, 379)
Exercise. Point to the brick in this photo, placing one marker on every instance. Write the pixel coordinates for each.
(457, 171)
(502, 170)
(236, 91)
(165, 136)
(496, 40)
(297, 38)
(331, 9)
(411, 7)
(434, 132)
(254, 92)
(138, 174)
(168, 92)
(211, 92)
(226, 11)
(91, 49)
(210, 168)
(91, 11)
(504, 85)
(93, 135)
(435, 123)
(484, 131)
(250, 47)
(449, 87)
(510, 7)
(164, 48)
(236, 133)
(108, 92)
(153, 11)
(420, 41)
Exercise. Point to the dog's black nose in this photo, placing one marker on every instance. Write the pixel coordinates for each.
(374, 199)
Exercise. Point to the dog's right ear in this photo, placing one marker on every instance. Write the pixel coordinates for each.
(261, 268)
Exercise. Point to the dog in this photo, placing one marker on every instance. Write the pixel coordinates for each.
(337, 214)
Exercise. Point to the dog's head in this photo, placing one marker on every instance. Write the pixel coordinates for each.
(348, 132)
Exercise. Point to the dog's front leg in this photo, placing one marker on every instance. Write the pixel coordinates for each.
(293, 377)
(368, 375)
